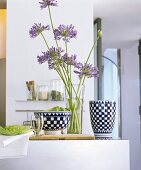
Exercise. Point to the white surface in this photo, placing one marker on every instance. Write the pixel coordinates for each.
(72, 155)
(6, 140)
(13, 146)
(22, 51)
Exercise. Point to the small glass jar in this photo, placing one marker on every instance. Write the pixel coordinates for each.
(31, 90)
(57, 90)
(42, 92)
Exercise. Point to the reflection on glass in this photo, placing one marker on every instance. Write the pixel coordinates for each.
(111, 84)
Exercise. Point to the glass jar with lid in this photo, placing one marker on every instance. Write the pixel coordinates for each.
(42, 92)
(57, 90)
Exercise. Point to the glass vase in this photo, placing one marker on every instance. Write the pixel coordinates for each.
(57, 90)
(42, 92)
(75, 105)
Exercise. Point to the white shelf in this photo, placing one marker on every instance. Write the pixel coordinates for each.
(40, 101)
(28, 110)
(36, 106)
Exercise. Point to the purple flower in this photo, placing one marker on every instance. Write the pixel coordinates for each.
(65, 32)
(36, 29)
(87, 70)
(46, 3)
(42, 58)
(52, 56)
(69, 60)
(78, 65)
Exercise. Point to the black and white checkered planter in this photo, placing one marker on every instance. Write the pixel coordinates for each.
(54, 121)
(102, 114)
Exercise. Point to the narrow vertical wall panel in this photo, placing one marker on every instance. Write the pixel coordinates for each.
(2, 33)
(2, 91)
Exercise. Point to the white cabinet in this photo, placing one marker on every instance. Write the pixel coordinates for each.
(73, 155)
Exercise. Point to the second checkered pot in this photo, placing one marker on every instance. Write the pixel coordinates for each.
(54, 120)
(102, 114)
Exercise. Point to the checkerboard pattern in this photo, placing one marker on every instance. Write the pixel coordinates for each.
(55, 120)
(102, 115)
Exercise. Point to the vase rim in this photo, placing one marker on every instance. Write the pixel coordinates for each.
(105, 101)
(44, 111)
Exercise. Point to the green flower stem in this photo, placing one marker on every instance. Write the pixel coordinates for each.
(72, 118)
(71, 85)
(63, 80)
(59, 72)
(75, 126)
(52, 25)
(66, 82)
(95, 42)
(68, 70)
(51, 21)
(44, 40)
(66, 45)
(73, 88)
(65, 75)
(58, 66)
(83, 79)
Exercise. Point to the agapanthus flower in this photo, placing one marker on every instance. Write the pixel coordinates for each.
(87, 70)
(65, 32)
(69, 60)
(36, 29)
(42, 58)
(46, 3)
(78, 65)
(52, 56)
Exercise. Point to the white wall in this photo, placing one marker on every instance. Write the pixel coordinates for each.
(130, 102)
(22, 51)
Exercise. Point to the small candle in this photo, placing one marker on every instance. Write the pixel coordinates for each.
(42, 92)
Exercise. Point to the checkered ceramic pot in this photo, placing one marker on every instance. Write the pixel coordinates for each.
(102, 114)
(54, 120)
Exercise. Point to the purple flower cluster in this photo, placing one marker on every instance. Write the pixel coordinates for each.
(52, 56)
(36, 29)
(46, 3)
(65, 32)
(69, 60)
(87, 70)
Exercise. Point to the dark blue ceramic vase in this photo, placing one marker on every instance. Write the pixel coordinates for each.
(102, 114)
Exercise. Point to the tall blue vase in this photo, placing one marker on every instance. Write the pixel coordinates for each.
(102, 114)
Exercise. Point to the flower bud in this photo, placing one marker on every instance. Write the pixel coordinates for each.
(99, 33)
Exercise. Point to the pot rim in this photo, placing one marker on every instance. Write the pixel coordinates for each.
(113, 101)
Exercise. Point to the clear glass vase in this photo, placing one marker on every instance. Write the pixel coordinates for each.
(57, 90)
(42, 92)
(75, 104)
